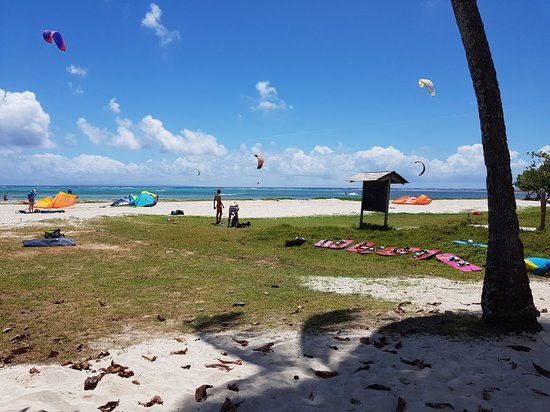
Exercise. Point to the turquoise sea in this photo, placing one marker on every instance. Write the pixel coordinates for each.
(111, 193)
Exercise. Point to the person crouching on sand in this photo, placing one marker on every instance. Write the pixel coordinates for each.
(218, 206)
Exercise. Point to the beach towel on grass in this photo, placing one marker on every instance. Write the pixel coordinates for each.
(537, 265)
(43, 242)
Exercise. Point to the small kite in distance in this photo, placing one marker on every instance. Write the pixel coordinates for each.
(260, 161)
(423, 167)
(198, 172)
(428, 84)
(50, 35)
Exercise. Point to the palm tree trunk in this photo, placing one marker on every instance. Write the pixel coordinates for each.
(506, 300)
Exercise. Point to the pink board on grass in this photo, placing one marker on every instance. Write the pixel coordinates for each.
(358, 247)
(425, 254)
(323, 243)
(460, 264)
(395, 251)
(341, 244)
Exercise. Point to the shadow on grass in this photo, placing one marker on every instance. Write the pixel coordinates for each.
(375, 227)
(216, 323)
(329, 321)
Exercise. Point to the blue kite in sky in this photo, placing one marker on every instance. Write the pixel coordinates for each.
(50, 35)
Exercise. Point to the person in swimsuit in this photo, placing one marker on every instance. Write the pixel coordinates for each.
(218, 206)
(31, 197)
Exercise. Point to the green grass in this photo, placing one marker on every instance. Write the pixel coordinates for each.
(126, 271)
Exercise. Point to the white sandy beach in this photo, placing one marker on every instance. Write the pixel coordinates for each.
(382, 369)
(249, 209)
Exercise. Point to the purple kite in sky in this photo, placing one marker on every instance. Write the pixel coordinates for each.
(50, 35)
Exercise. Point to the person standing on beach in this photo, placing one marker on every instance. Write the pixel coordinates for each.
(218, 206)
(31, 197)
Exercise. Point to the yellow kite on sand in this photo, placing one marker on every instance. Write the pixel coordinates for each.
(60, 201)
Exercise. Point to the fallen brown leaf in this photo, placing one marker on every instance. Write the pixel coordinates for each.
(519, 348)
(541, 370)
(220, 366)
(326, 374)
(180, 352)
(155, 400)
(229, 406)
(33, 370)
(200, 393)
(265, 348)
(135, 382)
(103, 354)
(91, 382)
(233, 387)
(186, 367)
(378, 387)
(81, 366)
(417, 362)
(161, 318)
(439, 405)
(150, 359)
(181, 339)
(401, 403)
(109, 406)
(242, 342)
(362, 368)
(231, 362)
(341, 339)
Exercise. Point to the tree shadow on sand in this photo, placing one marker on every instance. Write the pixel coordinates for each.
(415, 361)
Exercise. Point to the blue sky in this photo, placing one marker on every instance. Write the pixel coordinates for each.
(149, 92)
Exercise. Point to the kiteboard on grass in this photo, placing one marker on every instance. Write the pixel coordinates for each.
(323, 243)
(358, 247)
(457, 263)
(341, 244)
(372, 249)
(395, 251)
(425, 254)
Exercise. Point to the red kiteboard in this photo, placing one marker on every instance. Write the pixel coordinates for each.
(359, 247)
(425, 254)
(395, 251)
(323, 243)
(341, 244)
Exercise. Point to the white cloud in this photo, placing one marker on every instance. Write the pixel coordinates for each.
(545, 149)
(268, 99)
(189, 142)
(124, 137)
(77, 71)
(114, 106)
(23, 122)
(152, 21)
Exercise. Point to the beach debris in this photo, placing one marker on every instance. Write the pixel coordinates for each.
(219, 366)
(18, 338)
(346, 339)
(200, 393)
(539, 392)
(8, 329)
(229, 406)
(296, 377)
(297, 310)
(91, 382)
(365, 340)
(541, 370)
(380, 343)
(161, 318)
(117, 369)
(332, 347)
(79, 366)
(179, 352)
(21, 350)
(136, 382)
(326, 374)
(401, 403)
(109, 406)
(362, 368)
(439, 405)
(231, 362)
(233, 387)
(241, 342)
(103, 354)
(417, 362)
(434, 303)
(265, 348)
(186, 367)
(519, 348)
(150, 359)
(378, 387)
(275, 286)
(355, 401)
(33, 370)
(155, 400)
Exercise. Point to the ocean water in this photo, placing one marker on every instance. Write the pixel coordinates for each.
(111, 193)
